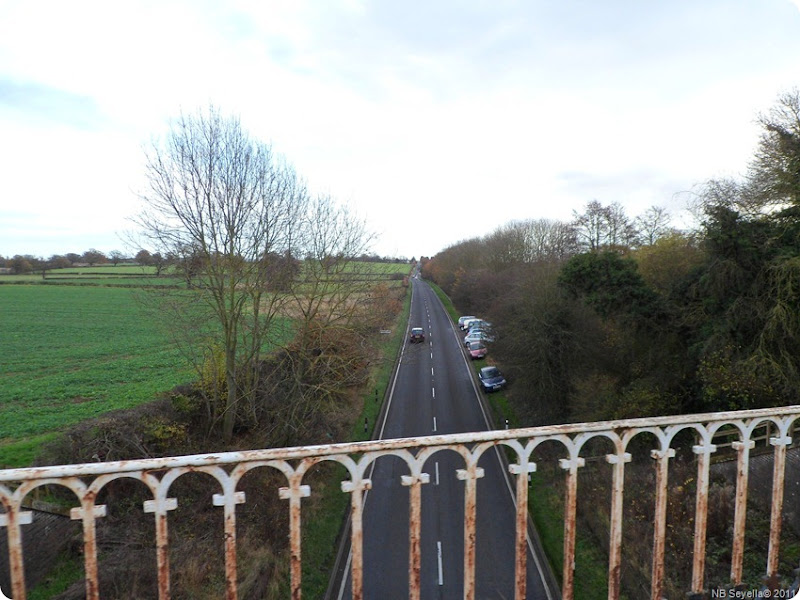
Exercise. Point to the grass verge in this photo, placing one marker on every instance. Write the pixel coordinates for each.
(66, 570)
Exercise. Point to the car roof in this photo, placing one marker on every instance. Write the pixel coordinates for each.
(490, 370)
(416, 329)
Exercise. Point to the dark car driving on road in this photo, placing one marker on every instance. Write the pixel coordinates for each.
(491, 379)
(417, 335)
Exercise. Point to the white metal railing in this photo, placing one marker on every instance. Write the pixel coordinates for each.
(87, 480)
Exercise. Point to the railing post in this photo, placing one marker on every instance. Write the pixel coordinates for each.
(571, 466)
(414, 482)
(703, 452)
(470, 478)
(356, 489)
(294, 494)
(776, 516)
(660, 521)
(88, 512)
(740, 511)
(228, 501)
(522, 471)
(615, 541)
(13, 519)
(160, 507)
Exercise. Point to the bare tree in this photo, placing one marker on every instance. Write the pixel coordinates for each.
(505, 247)
(331, 298)
(622, 231)
(116, 256)
(229, 198)
(653, 224)
(529, 241)
(591, 226)
(603, 226)
(548, 240)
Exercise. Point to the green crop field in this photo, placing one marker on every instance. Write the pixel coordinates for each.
(68, 353)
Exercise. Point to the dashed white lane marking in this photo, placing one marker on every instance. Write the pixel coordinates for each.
(439, 557)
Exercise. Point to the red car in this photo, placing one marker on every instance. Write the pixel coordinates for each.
(476, 350)
(417, 335)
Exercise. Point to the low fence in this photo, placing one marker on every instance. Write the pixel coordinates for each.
(87, 481)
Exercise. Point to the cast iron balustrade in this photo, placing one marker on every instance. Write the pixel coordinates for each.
(739, 428)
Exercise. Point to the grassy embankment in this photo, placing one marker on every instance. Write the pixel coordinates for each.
(546, 504)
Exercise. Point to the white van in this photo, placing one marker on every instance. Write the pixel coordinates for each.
(462, 320)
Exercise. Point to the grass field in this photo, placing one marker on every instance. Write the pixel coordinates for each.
(71, 352)
(107, 275)
(76, 345)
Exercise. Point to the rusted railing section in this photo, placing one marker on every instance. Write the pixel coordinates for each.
(87, 480)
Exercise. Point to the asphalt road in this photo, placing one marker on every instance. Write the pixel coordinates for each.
(434, 393)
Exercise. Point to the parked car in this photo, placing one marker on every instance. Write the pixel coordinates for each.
(462, 320)
(478, 324)
(468, 323)
(478, 336)
(491, 379)
(417, 335)
(476, 350)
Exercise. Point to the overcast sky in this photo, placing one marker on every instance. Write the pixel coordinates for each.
(435, 120)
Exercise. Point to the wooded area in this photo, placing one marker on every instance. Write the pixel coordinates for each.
(609, 317)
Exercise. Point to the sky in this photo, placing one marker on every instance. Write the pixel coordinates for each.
(435, 121)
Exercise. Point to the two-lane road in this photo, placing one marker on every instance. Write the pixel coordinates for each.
(434, 392)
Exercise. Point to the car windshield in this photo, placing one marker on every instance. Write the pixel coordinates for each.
(489, 372)
(416, 330)
(476, 346)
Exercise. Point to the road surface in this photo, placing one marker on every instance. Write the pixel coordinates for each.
(434, 393)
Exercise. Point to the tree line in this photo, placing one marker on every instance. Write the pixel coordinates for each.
(22, 264)
(608, 316)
